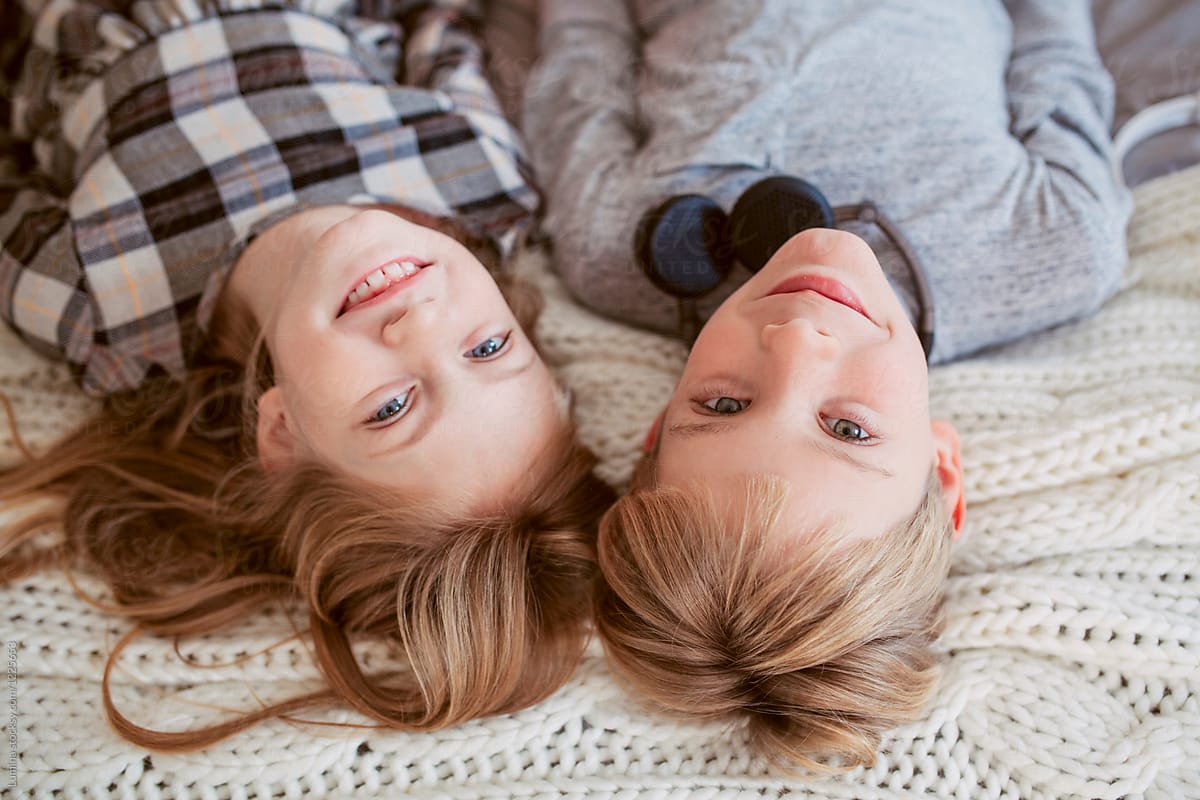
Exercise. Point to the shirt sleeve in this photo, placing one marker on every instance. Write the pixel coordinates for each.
(41, 280)
(443, 51)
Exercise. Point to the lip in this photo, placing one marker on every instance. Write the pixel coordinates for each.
(827, 287)
(392, 288)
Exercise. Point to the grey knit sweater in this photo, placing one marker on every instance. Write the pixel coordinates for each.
(981, 128)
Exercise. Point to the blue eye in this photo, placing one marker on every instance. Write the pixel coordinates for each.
(488, 347)
(848, 430)
(393, 409)
(725, 405)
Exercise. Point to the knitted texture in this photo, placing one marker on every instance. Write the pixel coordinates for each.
(1072, 649)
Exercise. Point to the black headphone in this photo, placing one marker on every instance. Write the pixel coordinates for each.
(693, 254)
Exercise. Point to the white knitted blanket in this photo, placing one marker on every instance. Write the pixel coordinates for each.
(1072, 664)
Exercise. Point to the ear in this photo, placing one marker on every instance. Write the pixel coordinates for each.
(950, 472)
(273, 436)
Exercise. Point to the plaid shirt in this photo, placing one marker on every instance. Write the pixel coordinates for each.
(165, 137)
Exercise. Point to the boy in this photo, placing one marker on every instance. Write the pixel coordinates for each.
(781, 553)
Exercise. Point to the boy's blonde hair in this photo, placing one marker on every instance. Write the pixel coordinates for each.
(820, 648)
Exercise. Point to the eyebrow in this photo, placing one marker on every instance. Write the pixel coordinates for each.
(688, 429)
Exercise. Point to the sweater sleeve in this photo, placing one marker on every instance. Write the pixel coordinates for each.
(1060, 100)
(581, 121)
(1047, 243)
(585, 124)
(581, 96)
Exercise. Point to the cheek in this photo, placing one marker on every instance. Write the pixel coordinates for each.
(895, 386)
(312, 407)
(320, 380)
(681, 462)
(666, 472)
(321, 422)
(470, 282)
(720, 345)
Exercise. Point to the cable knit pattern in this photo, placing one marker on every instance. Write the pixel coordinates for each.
(1072, 650)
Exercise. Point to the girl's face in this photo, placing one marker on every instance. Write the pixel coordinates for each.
(396, 358)
(811, 371)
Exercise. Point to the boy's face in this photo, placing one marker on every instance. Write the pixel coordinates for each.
(811, 371)
(422, 379)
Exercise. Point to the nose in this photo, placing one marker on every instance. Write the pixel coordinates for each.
(394, 329)
(799, 342)
(416, 319)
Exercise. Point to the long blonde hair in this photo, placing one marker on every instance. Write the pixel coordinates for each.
(164, 498)
(819, 648)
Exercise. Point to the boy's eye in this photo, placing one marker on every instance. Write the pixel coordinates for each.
(725, 405)
(488, 347)
(392, 409)
(848, 429)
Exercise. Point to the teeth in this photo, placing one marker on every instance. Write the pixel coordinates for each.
(379, 280)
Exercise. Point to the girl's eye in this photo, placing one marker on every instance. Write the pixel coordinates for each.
(725, 405)
(488, 347)
(393, 409)
(848, 430)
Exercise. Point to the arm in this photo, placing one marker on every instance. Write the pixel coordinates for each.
(1046, 244)
(605, 156)
(580, 113)
(443, 52)
(39, 274)
(581, 121)
(33, 218)
(439, 36)
(1060, 101)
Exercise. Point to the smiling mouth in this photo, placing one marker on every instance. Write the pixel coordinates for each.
(827, 287)
(381, 280)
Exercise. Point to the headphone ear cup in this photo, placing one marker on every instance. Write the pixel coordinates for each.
(772, 211)
(682, 246)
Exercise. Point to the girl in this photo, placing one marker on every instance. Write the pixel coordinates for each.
(281, 266)
(780, 556)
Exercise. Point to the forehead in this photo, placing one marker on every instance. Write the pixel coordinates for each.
(827, 484)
